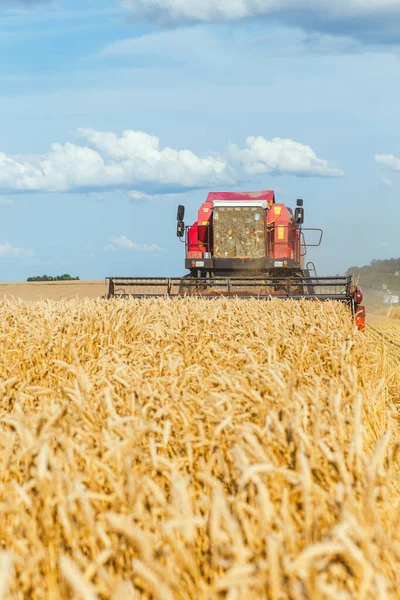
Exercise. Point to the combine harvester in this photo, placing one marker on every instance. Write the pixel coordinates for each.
(245, 245)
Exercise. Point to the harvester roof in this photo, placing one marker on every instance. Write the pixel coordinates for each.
(268, 195)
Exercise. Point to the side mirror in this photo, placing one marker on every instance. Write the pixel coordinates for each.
(181, 213)
(299, 216)
(180, 230)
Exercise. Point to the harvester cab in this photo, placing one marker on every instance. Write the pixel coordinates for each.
(246, 245)
(247, 234)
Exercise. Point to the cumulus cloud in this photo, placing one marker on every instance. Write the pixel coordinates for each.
(282, 156)
(104, 161)
(123, 243)
(8, 251)
(370, 20)
(389, 161)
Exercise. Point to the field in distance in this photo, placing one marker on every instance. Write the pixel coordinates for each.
(53, 290)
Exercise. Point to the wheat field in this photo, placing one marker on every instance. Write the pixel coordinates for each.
(187, 449)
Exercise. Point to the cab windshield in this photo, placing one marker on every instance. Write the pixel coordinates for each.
(239, 232)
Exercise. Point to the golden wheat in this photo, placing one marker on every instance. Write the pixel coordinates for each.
(395, 313)
(186, 449)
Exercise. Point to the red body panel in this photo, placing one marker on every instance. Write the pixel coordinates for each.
(205, 213)
(204, 221)
(282, 232)
(193, 239)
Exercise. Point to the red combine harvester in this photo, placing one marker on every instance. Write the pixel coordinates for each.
(246, 245)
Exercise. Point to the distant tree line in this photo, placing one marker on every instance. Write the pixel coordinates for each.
(65, 277)
(379, 274)
(390, 266)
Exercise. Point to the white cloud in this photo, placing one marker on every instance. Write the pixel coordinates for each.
(282, 156)
(123, 243)
(110, 162)
(158, 44)
(8, 251)
(389, 161)
(140, 196)
(364, 19)
(136, 196)
(171, 47)
(105, 162)
(387, 182)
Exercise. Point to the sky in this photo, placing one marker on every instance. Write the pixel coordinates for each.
(113, 112)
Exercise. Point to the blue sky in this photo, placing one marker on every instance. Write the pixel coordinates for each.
(247, 95)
